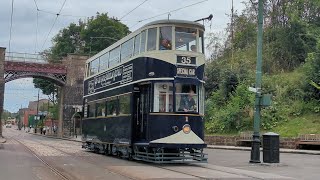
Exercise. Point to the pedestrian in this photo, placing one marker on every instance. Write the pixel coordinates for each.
(44, 130)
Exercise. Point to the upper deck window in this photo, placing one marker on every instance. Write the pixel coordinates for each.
(127, 49)
(114, 56)
(104, 61)
(143, 42)
(152, 39)
(94, 66)
(186, 39)
(165, 38)
(136, 44)
(201, 42)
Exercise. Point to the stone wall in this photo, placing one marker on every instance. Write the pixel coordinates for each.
(289, 143)
(2, 83)
(73, 90)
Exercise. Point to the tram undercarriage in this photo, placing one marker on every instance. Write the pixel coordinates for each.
(143, 152)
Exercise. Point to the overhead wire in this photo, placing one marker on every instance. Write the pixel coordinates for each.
(133, 9)
(174, 10)
(12, 4)
(55, 20)
(36, 43)
(53, 13)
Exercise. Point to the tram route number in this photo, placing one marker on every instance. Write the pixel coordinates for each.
(186, 71)
(186, 60)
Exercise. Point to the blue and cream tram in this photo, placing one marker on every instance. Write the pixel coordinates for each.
(144, 95)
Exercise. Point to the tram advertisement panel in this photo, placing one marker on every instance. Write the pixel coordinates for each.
(117, 76)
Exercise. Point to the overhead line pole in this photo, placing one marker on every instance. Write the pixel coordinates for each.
(255, 151)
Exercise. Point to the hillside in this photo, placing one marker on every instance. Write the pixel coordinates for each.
(291, 71)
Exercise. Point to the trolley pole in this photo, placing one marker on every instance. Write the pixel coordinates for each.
(255, 151)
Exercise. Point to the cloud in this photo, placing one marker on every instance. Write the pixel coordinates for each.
(25, 22)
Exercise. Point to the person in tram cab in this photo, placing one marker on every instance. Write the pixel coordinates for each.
(193, 48)
(187, 103)
(165, 44)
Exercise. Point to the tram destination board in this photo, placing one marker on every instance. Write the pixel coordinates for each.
(186, 71)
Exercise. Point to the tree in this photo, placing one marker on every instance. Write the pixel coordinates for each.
(83, 38)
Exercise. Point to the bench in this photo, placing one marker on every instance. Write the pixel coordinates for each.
(245, 138)
(308, 139)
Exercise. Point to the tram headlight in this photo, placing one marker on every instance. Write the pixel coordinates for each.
(186, 128)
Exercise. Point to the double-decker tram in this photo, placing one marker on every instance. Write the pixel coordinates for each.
(144, 95)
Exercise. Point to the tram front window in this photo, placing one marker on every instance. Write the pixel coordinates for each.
(186, 39)
(186, 98)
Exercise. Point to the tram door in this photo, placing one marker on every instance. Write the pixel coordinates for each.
(141, 111)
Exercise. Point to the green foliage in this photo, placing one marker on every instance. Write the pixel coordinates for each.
(83, 38)
(227, 116)
(291, 66)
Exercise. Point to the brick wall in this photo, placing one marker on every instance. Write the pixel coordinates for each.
(289, 143)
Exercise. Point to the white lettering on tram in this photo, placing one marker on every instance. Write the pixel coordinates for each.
(121, 74)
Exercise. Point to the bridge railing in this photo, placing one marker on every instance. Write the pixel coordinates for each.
(25, 57)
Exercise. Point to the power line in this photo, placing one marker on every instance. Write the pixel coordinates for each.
(55, 20)
(53, 13)
(174, 10)
(12, 3)
(35, 2)
(133, 9)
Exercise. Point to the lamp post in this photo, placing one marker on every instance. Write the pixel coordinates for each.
(259, 98)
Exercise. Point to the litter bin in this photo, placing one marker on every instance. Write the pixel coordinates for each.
(270, 146)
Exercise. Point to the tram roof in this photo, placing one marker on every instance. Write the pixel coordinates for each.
(174, 21)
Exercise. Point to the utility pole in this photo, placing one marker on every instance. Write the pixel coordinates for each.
(232, 32)
(37, 106)
(255, 151)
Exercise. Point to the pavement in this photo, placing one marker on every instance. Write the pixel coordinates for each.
(3, 140)
(282, 150)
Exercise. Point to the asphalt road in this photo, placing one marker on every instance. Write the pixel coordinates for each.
(26, 156)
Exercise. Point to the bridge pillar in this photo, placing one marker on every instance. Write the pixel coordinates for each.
(61, 108)
(2, 83)
(73, 93)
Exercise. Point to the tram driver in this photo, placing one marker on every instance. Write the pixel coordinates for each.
(188, 103)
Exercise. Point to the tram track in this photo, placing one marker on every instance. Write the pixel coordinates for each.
(112, 170)
(171, 168)
(57, 172)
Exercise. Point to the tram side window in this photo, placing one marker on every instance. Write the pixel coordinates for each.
(143, 42)
(152, 39)
(112, 106)
(186, 39)
(127, 50)
(114, 56)
(201, 42)
(104, 61)
(94, 66)
(165, 38)
(186, 97)
(101, 108)
(91, 109)
(136, 44)
(124, 104)
(163, 97)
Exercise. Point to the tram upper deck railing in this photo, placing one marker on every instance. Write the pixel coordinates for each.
(25, 57)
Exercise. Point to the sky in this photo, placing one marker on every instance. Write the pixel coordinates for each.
(27, 38)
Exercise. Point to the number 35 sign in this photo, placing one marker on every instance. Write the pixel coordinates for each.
(186, 60)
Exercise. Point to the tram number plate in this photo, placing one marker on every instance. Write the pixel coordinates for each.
(186, 60)
(182, 71)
